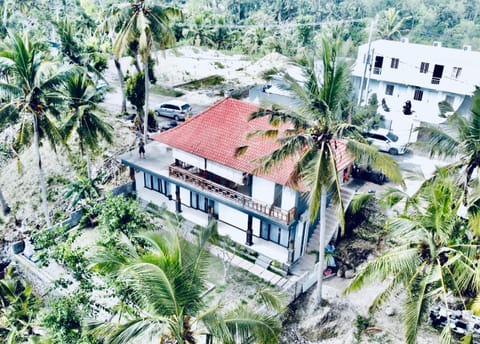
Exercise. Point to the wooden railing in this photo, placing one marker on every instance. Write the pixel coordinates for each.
(244, 200)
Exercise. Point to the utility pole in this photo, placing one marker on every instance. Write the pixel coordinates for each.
(368, 59)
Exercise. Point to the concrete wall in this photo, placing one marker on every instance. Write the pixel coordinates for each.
(225, 172)
(289, 198)
(263, 190)
(191, 159)
(232, 216)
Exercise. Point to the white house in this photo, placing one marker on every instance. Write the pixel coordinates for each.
(193, 169)
(399, 71)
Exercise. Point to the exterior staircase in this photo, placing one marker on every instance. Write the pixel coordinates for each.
(308, 261)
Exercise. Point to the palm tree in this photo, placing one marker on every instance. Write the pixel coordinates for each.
(32, 93)
(18, 310)
(166, 282)
(83, 189)
(316, 126)
(433, 256)
(390, 25)
(463, 144)
(81, 95)
(148, 24)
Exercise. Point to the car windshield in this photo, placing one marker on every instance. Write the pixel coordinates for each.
(392, 137)
(185, 107)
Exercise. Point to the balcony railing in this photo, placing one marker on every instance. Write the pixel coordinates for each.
(435, 80)
(237, 197)
(377, 70)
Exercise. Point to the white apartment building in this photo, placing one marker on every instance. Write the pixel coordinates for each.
(399, 71)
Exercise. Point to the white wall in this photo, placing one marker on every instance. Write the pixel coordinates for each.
(189, 158)
(225, 172)
(232, 216)
(289, 198)
(256, 226)
(263, 190)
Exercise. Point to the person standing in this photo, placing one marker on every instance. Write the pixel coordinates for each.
(141, 148)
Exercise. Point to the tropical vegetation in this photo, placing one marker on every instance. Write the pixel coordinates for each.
(433, 255)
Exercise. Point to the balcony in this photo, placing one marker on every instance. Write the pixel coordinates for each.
(377, 70)
(232, 195)
(435, 81)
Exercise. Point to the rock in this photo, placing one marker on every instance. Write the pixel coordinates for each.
(390, 311)
(349, 273)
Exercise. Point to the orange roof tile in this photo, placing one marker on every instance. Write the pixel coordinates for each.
(218, 131)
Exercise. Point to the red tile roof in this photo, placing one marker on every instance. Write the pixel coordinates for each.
(218, 131)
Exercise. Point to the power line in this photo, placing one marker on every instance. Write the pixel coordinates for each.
(272, 25)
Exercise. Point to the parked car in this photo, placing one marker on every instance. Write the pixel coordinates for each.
(169, 125)
(366, 173)
(174, 109)
(386, 141)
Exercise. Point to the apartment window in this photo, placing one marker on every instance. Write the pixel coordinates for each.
(377, 67)
(418, 95)
(424, 67)
(456, 71)
(147, 181)
(389, 90)
(394, 63)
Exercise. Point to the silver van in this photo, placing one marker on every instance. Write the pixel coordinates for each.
(173, 109)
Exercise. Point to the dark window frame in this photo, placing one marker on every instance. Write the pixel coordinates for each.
(418, 94)
(424, 66)
(389, 89)
(394, 62)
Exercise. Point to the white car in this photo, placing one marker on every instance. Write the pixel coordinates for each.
(386, 141)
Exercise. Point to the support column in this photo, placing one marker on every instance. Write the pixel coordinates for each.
(291, 250)
(249, 241)
(132, 178)
(178, 201)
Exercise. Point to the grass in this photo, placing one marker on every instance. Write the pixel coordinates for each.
(166, 91)
(209, 81)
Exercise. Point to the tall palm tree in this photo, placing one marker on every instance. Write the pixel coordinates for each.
(148, 24)
(81, 95)
(463, 144)
(433, 256)
(32, 93)
(165, 284)
(391, 24)
(316, 125)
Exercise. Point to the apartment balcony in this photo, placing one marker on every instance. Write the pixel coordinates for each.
(435, 81)
(377, 70)
(230, 194)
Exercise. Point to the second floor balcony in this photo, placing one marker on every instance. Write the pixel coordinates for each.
(198, 180)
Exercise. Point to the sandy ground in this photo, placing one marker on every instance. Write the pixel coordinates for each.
(173, 68)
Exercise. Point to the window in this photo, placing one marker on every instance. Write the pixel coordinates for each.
(418, 95)
(394, 63)
(456, 72)
(389, 90)
(424, 67)
(147, 179)
(377, 67)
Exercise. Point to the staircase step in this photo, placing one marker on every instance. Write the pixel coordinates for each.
(263, 261)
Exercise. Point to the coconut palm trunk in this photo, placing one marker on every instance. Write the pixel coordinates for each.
(121, 77)
(89, 164)
(147, 94)
(41, 176)
(321, 248)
